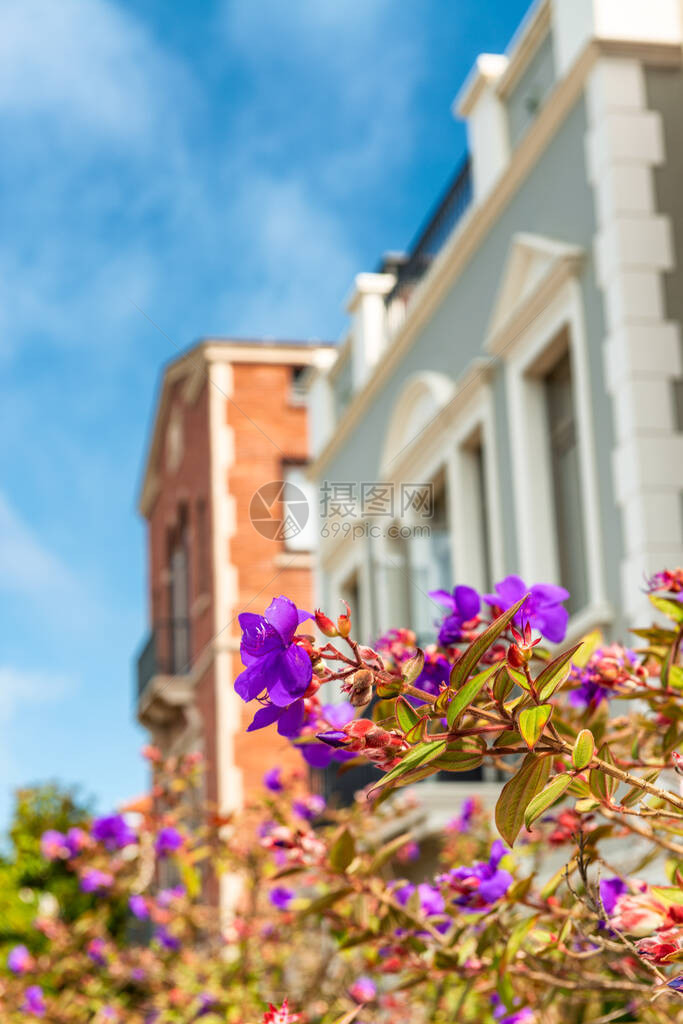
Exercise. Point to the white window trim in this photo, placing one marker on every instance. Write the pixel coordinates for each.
(350, 557)
(531, 471)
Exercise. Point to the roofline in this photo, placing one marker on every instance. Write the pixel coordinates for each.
(193, 363)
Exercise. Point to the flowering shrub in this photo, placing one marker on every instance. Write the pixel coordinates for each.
(564, 906)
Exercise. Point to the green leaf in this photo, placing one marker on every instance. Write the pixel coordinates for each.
(464, 697)
(418, 731)
(343, 851)
(406, 715)
(589, 645)
(672, 609)
(458, 761)
(503, 684)
(584, 748)
(419, 755)
(667, 895)
(473, 654)
(348, 1017)
(556, 788)
(316, 906)
(554, 674)
(518, 792)
(532, 722)
(602, 786)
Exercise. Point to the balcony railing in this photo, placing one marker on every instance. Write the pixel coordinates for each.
(167, 652)
(435, 231)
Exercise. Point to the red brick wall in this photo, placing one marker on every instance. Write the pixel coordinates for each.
(263, 392)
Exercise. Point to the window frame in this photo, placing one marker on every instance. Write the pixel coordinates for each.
(532, 353)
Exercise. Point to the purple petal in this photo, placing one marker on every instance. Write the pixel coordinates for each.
(318, 755)
(508, 591)
(498, 851)
(467, 602)
(291, 720)
(290, 676)
(253, 680)
(552, 623)
(610, 891)
(443, 597)
(338, 715)
(333, 737)
(264, 716)
(283, 615)
(259, 637)
(303, 615)
(547, 593)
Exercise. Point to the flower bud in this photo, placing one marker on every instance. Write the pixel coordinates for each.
(515, 656)
(344, 622)
(325, 624)
(360, 692)
(413, 667)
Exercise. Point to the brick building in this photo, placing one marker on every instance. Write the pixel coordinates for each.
(230, 419)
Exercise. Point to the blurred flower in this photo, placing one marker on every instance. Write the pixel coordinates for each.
(281, 897)
(609, 670)
(638, 914)
(272, 781)
(34, 1001)
(543, 609)
(310, 807)
(281, 1016)
(408, 852)
(274, 662)
(96, 950)
(481, 884)
(19, 960)
(138, 906)
(363, 990)
(94, 880)
(53, 845)
(167, 939)
(462, 822)
(168, 841)
(610, 891)
(113, 831)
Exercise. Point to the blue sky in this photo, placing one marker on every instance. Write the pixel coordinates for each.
(227, 166)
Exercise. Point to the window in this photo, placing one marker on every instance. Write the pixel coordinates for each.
(202, 534)
(430, 560)
(566, 482)
(175, 643)
(298, 508)
(297, 387)
(474, 512)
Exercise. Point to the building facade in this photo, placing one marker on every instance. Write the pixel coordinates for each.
(524, 357)
(230, 424)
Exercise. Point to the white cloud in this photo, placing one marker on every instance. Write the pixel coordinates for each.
(18, 686)
(27, 567)
(85, 63)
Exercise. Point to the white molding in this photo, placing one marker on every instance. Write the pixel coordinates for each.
(642, 356)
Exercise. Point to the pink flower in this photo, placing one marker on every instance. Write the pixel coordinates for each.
(638, 915)
(281, 1016)
(19, 960)
(363, 990)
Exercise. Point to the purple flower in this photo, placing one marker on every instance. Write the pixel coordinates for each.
(543, 609)
(167, 896)
(96, 950)
(481, 884)
(168, 841)
(19, 960)
(464, 819)
(524, 1016)
(34, 1001)
(281, 897)
(289, 719)
(113, 831)
(610, 891)
(273, 661)
(464, 603)
(363, 990)
(137, 905)
(676, 983)
(272, 780)
(309, 808)
(167, 939)
(53, 845)
(93, 880)
(76, 840)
